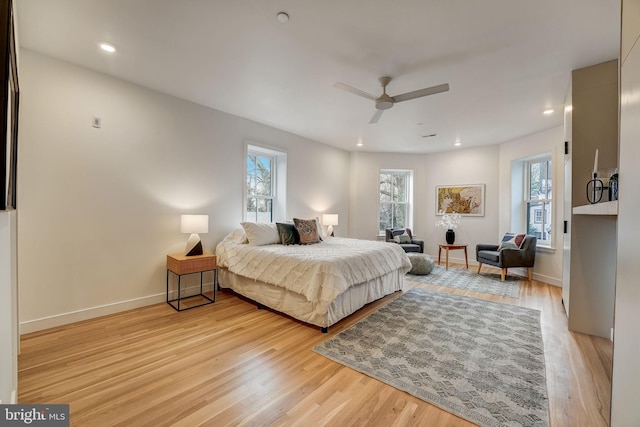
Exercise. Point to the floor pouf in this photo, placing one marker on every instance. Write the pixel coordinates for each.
(420, 263)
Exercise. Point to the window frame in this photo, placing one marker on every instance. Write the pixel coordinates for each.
(277, 197)
(272, 187)
(544, 205)
(408, 203)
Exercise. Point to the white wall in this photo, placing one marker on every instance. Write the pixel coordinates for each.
(490, 165)
(465, 166)
(365, 187)
(100, 208)
(548, 266)
(470, 166)
(625, 410)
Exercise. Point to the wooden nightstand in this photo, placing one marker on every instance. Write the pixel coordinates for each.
(448, 247)
(179, 265)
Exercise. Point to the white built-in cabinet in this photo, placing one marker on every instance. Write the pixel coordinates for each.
(625, 386)
(589, 270)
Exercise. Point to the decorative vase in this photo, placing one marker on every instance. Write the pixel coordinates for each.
(450, 236)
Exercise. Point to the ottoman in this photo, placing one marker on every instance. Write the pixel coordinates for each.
(420, 263)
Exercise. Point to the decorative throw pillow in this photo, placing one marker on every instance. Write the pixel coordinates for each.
(401, 236)
(511, 241)
(288, 234)
(404, 238)
(308, 230)
(260, 234)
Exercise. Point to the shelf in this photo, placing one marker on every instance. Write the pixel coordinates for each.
(603, 208)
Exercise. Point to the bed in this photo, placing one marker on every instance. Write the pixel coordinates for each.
(318, 284)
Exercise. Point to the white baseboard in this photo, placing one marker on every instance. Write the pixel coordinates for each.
(89, 313)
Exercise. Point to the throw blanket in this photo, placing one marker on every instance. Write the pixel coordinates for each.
(320, 271)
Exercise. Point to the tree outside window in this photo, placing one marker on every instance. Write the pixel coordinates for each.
(260, 193)
(538, 200)
(395, 197)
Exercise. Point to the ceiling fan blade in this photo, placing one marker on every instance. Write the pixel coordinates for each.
(355, 91)
(421, 92)
(376, 117)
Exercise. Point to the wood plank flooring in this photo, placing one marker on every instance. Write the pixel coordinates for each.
(231, 364)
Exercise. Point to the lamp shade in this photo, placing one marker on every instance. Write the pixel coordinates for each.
(194, 224)
(330, 219)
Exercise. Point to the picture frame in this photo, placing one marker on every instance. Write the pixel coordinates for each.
(10, 95)
(466, 200)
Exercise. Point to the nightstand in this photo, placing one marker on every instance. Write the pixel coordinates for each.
(179, 265)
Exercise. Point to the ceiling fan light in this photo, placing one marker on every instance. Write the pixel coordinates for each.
(384, 102)
(384, 105)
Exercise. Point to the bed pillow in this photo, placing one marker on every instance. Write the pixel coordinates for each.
(308, 230)
(260, 234)
(236, 236)
(288, 233)
(511, 241)
(321, 234)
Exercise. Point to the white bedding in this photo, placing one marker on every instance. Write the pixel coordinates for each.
(320, 272)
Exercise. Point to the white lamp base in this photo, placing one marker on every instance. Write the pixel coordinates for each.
(329, 230)
(194, 245)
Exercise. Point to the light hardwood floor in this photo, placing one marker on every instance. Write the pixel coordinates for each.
(232, 364)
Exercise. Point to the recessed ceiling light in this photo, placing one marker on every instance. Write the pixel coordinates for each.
(458, 144)
(359, 144)
(548, 111)
(282, 17)
(107, 47)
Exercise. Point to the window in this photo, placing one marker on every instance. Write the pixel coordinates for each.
(259, 188)
(265, 185)
(537, 215)
(395, 199)
(538, 199)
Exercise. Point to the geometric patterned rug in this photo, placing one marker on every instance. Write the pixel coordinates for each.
(485, 282)
(480, 360)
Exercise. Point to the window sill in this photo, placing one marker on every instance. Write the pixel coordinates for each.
(546, 249)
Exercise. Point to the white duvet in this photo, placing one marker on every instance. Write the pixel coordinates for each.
(320, 271)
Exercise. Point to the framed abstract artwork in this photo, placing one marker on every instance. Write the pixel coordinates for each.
(467, 200)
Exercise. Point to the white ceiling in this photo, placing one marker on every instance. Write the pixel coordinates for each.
(505, 60)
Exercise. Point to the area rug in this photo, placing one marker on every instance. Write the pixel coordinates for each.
(480, 360)
(485, 282)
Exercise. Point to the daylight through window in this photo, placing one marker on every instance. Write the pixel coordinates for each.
(260, 191)
(538, 200)
(395, 199)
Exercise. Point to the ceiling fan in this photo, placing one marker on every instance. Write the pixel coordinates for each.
(384, 101)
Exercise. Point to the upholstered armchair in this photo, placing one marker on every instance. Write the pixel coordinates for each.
(404, 238)
(508, 254)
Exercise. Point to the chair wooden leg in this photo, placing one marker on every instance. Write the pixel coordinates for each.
(529, 273)
(479, 267)
(503, 273)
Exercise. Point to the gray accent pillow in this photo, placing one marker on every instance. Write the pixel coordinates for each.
(288, 234)
(404, 238)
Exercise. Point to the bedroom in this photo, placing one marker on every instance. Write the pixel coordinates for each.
(156, 156)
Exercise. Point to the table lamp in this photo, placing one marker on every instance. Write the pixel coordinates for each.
(194, 224)
(330, 220)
